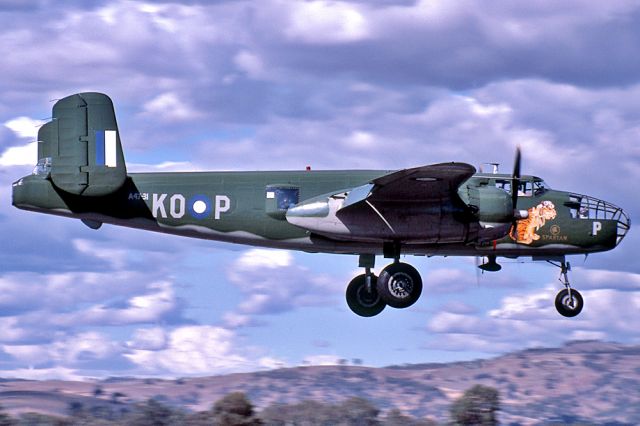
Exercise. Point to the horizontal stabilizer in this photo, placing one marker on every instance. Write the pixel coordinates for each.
(83, 143)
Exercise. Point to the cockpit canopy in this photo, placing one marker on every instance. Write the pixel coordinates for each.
(528, 187)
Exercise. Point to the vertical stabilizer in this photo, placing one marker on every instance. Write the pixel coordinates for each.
(84, 145)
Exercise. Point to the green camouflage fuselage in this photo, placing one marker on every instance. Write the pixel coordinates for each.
(235, 207)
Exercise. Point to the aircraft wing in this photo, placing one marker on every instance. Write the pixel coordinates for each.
(436, 182)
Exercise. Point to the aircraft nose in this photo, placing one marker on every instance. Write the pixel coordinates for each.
(587, 207)
(624, 224)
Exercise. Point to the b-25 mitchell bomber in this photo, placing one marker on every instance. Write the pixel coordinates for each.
(445, 209)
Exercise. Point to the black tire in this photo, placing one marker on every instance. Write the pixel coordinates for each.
(399, 285)
(567, 307)
(361, 301)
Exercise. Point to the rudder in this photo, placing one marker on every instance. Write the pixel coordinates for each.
(83, 144)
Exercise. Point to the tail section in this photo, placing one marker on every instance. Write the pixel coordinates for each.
(82, 144)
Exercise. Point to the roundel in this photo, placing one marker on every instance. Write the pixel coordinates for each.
(200, 206)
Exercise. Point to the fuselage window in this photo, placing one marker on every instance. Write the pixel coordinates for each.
(286, 197)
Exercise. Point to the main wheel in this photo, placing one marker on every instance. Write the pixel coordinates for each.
(362, 301)
(569, 306)
(399, 285)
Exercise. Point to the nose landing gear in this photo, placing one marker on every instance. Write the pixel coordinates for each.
(569, 302)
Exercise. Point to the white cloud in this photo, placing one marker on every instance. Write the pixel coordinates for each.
(321, 360)
(530, 319)
(165, 166)
(20, 155)
(24, 127)
(150, 339)
(116, 257)
(193, 350)
(170, 107)
(322, 21)
(273, 283)
(54, 373)
(256, 259)
(250, 63)
(67, 351)
(159, 302)
(360, 140)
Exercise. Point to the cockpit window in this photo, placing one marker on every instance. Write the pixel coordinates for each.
(539, 186)
(43, 168)
(525, 189)
(505, 185)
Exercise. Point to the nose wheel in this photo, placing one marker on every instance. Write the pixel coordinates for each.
(569, 302)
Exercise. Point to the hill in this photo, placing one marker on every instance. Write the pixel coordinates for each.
(589, 382)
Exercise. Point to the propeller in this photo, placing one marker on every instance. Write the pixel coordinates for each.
(515, 184)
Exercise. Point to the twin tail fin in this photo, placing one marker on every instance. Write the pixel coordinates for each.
(82, 146)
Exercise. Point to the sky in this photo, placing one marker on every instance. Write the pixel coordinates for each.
(282, 84)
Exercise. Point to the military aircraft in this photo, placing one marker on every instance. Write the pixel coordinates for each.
(442, 209)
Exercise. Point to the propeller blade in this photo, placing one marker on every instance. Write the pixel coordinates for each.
(515, 183)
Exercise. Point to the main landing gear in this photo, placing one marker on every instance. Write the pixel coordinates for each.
(398, 286)
(569, 302)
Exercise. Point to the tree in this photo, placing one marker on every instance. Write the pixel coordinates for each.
(234, 410)
(477, 406)
(358, 412)
(6, 419)
(153, 413)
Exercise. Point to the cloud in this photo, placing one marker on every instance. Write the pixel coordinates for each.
(192, 350)
(159, 303)
(68, 351)
(24, 127)
(322, 360)
(150, 339)
(529, 319)
(271, 284)
(284, 84)
(250, 63)
(169, 107)
(324, 22)
(20, 155)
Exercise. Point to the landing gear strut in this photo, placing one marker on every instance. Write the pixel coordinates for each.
(398, 286)
(569, 302)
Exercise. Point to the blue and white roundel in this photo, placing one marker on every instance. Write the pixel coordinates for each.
(200, 206)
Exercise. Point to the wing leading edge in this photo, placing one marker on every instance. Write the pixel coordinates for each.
(436, 182)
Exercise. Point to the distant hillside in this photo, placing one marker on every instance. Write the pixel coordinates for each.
(581, 382)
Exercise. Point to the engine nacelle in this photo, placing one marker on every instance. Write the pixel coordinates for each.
(493, 205)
